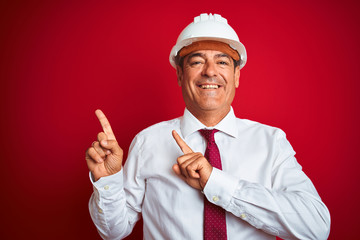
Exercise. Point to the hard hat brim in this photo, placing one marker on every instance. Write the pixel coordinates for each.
(238, 46)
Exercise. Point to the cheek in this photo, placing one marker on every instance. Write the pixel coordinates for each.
(231, 80)
(231, 87)
(188, 80)
(186, 88)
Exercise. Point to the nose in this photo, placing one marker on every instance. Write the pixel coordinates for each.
(209, 69)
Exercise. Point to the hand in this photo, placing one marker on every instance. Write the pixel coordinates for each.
(192, 167)
(105, 156)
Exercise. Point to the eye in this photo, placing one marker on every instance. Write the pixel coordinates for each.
(196, 61)
(223, 62)
(193, 63)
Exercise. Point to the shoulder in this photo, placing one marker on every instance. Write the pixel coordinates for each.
(264, 136)
(246, 125)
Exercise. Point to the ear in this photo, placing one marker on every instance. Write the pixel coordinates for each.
(237, 76)
(179, 73)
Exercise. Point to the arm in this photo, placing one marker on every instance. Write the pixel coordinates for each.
(108, 205)
(292, 212)
(290, 209)
(108, 208)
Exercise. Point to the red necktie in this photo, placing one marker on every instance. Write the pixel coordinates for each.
(214, 216)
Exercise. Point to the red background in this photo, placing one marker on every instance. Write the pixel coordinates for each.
(61, 60)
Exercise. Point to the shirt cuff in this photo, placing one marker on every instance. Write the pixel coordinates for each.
(220, 188)
(108, 186)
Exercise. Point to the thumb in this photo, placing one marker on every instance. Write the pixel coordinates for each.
(112, 146)
(176, 169)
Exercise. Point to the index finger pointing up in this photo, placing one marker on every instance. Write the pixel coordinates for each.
(183, 146)
(105, 124)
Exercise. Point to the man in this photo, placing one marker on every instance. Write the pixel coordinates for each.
(252, 189)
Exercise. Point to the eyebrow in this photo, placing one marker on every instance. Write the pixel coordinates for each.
(220, 55)
(196, 55)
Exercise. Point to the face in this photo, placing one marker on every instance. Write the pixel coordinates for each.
(208, 80)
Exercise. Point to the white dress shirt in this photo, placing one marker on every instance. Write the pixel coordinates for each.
(261, 186)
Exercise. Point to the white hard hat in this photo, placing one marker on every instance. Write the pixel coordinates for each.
(209, 27)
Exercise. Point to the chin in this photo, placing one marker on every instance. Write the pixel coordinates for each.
(211, 107)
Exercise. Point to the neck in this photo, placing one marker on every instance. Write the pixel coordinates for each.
(210, 118)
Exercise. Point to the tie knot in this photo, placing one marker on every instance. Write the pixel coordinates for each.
(208, 134)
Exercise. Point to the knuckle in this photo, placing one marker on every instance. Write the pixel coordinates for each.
(101, 153)
(98, 148)
(182, 166)
(100, 135)
(90, 150)
(93, 153)
(106, 124)
(180, 159)
(95, 144)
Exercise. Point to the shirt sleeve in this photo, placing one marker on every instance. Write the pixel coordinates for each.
(110, 210)
(290, 209)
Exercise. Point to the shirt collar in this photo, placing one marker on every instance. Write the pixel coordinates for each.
(190, 124)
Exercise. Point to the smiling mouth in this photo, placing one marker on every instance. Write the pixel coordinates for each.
(209, 86)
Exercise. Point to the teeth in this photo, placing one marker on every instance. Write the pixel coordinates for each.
(209, 86)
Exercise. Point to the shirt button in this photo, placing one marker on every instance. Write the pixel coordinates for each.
(243, 216)
(100, 210)
(106, 187)
(215, 198)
